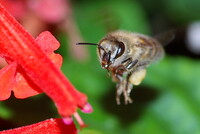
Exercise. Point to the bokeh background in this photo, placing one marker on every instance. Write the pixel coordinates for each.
(167, 101)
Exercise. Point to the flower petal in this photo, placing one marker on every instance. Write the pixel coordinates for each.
(50, 126)
(23, 86)
(6, 80)
(56, 59)
(47, 42)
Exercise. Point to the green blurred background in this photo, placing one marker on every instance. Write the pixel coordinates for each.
(167, 101)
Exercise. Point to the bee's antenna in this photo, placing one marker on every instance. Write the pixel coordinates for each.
(87, 44)
(91, 44)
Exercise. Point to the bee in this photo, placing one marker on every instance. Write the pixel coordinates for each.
(126, 55)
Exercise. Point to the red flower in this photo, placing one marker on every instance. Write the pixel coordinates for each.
(12, 77)
(33, 68)
(50, 126)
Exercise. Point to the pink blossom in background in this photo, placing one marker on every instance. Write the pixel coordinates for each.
(51, 11)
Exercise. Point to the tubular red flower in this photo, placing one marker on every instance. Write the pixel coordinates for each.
(50, 126)
(32, 60)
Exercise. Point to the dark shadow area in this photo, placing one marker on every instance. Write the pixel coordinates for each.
(130, 113)
(30, 110)
(5, 124)
(178, 46)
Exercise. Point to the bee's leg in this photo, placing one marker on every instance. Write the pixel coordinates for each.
(134, 78)
(120, 84)
(127, 98)
(129, 63)
(129, 85)
(120, 89)
(127, 89)
(123, 87)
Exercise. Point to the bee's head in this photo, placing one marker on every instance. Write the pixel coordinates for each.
(109, 51)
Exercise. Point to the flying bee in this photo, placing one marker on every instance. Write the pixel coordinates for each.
(126, 55)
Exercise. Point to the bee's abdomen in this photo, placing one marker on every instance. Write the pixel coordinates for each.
(151, 48)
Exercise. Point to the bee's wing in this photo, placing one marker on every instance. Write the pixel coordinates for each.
(166, 37)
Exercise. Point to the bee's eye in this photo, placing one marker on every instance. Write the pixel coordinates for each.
(120, 49)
